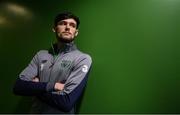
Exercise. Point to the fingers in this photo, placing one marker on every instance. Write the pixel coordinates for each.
(35, 79)
(59, 86)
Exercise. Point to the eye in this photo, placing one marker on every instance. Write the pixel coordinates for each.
(73, 25)
(62, 23)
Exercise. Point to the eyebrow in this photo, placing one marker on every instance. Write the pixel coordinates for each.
(62, 21)
(66, 21)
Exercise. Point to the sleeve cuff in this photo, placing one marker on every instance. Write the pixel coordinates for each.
(50, 86)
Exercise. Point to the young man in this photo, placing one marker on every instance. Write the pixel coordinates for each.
(56, 77)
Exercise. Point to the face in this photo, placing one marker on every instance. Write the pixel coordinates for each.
(66, 30)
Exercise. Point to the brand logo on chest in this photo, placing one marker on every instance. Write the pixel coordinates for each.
(65, 64)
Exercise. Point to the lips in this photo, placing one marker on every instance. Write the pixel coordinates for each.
(66, 33)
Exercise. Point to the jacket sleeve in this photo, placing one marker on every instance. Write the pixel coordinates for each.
(76, 82)
(25, 86)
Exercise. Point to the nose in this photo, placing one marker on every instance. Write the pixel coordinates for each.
(67, 27)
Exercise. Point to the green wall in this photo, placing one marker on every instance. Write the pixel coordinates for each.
(134, 45)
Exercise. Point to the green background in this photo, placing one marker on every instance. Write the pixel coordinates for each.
(134, 45)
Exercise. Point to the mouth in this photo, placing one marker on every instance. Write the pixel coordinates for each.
(66, 33)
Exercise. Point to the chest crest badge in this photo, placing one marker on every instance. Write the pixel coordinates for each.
(65, 64)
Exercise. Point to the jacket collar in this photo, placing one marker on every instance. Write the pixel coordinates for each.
(59, 48)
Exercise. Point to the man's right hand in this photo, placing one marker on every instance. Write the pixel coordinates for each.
(58, 86)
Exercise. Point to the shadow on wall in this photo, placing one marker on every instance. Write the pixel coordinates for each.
(24, 105)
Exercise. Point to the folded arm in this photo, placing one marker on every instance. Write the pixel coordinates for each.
(25, 85)
(73, 87)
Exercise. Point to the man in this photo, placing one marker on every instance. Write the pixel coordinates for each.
(56, 77)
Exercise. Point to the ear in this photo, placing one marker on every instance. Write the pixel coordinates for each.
(77, 31)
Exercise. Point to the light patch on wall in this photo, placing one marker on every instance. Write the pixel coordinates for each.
(18, 10)
(13, 14)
